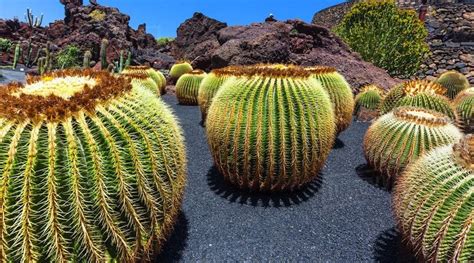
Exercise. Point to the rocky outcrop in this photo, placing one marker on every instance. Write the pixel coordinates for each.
(332, 16)
(214, 45)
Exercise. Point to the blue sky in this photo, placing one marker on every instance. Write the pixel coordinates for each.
(163, 17)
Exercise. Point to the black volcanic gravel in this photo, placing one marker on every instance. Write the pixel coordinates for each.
(344, 216)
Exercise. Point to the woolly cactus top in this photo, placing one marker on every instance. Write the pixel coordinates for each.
(135, 75)
(414, 87)
(372, 87)
(321, 70)
(421, 116)
(60, 94)
(196, 72)
(272, 72)
(464, 150)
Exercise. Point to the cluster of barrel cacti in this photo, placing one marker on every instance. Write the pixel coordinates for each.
(158, 77)
(187, 87)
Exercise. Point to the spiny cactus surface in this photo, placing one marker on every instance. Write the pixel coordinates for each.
(433, 203)
(187, 87)
(454, 82)
(464, 108)
(418, 93)
(401, 136)
(270, 129)
(157, 76)
(369, 97)
(178, 69)
(92, 169)
(142, 79)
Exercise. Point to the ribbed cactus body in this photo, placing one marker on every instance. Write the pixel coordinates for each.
(433, 203)
(464, 108)
(339, 92)
(88, 174)
(157, 76)
(270, 129)
(401, 136)
(454, 82)
(187, 87)
(178, 69)
(369, 97)
(418, 93)
(142, 79)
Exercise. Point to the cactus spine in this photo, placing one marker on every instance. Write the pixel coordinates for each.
(180, 68)
(369, 97)
(454, 82)
(187, 87)
(270, 129)
(16, 56)
(155, 75)
(418, 93)
(103, 54)
(143, 80)
(433, 204)
(88, 174)
(87, 59)
(464, 108)
(401, 136)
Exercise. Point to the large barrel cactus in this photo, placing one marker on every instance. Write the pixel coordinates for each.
(418, 93)
(399, 137)
(180, 68)
(187, 87)
(92, 170)
(464, 108)
(454, 82)
(369, 97)
(270, 129)
(157, 76)
(142, 79)
(433, 203)
(339, 92)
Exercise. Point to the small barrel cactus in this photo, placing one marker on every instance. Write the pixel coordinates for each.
(93, 169)
(270, 129)
(142, 79)
(369, 98)
(209, 87)
(418, 93)
(180, 68)
(464, 108)
(454, 82)
(339, 92)
(187, 87)
(157, 76)
(433, 204)
(402, 135)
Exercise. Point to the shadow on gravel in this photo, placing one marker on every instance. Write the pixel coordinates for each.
(372, 177)
(338, 144)
(388, 248)
(173, 248)
(230, 192)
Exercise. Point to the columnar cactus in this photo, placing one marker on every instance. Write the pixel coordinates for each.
(401, 136)
(369, 97)
(87, 59)
(433, 204)
(454, 82)
(16, 56)
(187, 87)
(180, 68)
(418, 93)
(103, 54)
(464, 108)
(157, 76)
(142, 79)
(270, 129)
(93, 170)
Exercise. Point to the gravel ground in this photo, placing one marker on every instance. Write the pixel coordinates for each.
(344, 216)
(10, 75)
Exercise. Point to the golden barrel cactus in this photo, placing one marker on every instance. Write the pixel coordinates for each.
(143, 80)
(464, 109)
(180, 68)
(156, 75)
(187, 87)
(92, 169)
(401, 136)
(454, 82)
(434, 204)
(369, 97)
(270, 129)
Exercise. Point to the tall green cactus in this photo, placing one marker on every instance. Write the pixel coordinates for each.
(143, 80)
(433, 203)
(270, 129)
(401, 136)
(187, 87)
(87, 59)
(128, 62)
(16, 56)
(41, 65)
(369, 97)
(418, 93)
(103, 54)
(157, 76)
(454, 82)
(180, 68)
(464, 107)
(88, 174)
(339, 92)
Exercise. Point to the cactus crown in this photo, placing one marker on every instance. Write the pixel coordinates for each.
(59, 94)
(415, 87)
(317, 70)
(135, 75)
(421, 116)
(272, 72)
(372, 87)
(227, 71)
(196, 72)
(464, 151)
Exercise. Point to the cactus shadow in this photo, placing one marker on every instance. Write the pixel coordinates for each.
(368, 174)
(338, 144)
(388, 248)
(233, 194)
(172, 250)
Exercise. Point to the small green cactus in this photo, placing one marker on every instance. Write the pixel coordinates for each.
(87, 59)
(93, 169)
(454, 82)
(157, 76)
(16, 56)
(180, 68)
(103, 54)
(187, 87)
(270, 129)
(369, 97)
(128, 62)
(402, 135)
(143, 80)
(464, 107)
(433, 204)
(418, 93)
(339, 92)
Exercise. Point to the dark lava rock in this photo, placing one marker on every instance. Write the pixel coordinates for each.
(210, 44)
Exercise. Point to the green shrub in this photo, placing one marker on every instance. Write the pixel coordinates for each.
(69, 57)
(163, 41)
(389, 37)
(5, 45)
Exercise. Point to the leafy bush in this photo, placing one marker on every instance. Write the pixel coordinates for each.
(97, 15)
(389, 37)
(163, 41)
(5, 44)
(69, 57)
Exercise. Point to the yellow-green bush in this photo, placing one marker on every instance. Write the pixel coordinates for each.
(389, 37)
